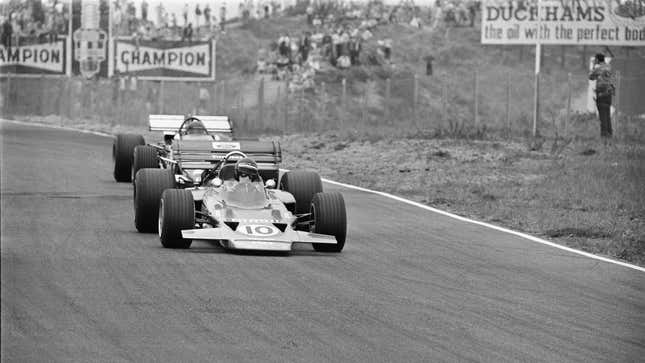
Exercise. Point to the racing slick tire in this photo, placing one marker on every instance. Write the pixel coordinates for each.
(303, 185)
(330, 218)
(176, 212)
(122, 154)
(144, 156)
(148, 187)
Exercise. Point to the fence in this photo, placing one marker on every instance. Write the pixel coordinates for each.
(470, 104)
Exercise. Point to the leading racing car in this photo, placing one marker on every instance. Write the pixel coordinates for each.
(234, 206)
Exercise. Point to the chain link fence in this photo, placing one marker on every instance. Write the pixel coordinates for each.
(472, 104)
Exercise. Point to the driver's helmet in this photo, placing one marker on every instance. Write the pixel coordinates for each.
(195, 127)
(247, 167)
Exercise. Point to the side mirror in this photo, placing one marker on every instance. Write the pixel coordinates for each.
(270, 184)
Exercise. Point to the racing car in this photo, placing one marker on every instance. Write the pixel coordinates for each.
(234, 206)
(186, 138)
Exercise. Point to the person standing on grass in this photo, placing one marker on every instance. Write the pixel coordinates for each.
(602, 74)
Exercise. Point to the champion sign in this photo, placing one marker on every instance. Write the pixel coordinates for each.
(46, 58)
(162, 60)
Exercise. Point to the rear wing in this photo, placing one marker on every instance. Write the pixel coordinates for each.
(169, 124)
(201, 154)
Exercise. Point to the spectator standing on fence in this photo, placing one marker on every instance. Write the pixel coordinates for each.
(7, 32)
(198, 14)
(185, 14)
(188, 33)
(222, 16)
(602, 74)
(144, 10)
(207, 15)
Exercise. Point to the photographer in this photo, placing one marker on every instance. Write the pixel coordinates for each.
(602, 74)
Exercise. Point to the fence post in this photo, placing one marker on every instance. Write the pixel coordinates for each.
(286, 105)
(444, 104)
(343, 103)
(508, 105)
(476, 98)
(161, 96)
(260, 121)
(617, 107)
(388, 92)
(8, 101)
(415, 100)
(567, 120)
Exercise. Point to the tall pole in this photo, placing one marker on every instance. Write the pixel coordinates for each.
(536, 83)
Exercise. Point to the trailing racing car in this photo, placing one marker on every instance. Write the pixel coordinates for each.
(186, 149)
(235, 207)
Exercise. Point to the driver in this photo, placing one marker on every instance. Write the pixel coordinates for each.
(195, 127)
(246, 170)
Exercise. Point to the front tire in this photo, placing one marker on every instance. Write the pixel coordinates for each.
(122, 154)
(148, 186)
(176, 212)
(330, 218)
(303, 185)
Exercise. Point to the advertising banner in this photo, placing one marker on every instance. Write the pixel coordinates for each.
(90, 24)
(165, 59)
(575, 22)
(47, 58)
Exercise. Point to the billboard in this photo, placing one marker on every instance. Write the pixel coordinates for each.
(40, 58)
(575, 22)
(165, 59)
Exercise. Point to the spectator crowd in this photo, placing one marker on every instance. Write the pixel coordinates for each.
(32, 21)
(341, 35)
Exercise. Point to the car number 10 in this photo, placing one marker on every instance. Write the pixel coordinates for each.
(261, 230)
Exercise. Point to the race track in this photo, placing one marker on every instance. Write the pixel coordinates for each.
(80, 284)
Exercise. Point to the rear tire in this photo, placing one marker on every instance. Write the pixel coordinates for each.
(122, 154)
(176, 212)
(303, 185)
(329, 217)
(148, 186)
(144, 157)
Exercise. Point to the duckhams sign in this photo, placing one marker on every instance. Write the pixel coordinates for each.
(600, 22)
(165, 59)
(34, 59)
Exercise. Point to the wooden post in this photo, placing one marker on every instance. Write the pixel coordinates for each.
(161, 96)
(617, 103)
(476, 99)
(567, 120)
(388, 91)
(444, 104)
(508, 105)
(260, 121)
(343, 103)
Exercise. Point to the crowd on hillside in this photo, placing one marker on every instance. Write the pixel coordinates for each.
(341, 35)
(33, 21)
(195, 22)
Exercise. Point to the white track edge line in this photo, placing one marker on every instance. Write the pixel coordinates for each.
(66, 128)
(403, 200)
(484, 224)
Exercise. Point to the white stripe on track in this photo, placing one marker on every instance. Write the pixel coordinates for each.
(403, 200)
(492, 226)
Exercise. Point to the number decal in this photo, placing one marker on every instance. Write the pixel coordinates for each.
(258, 230)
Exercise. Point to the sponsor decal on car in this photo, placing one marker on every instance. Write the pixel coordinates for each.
(226, 146)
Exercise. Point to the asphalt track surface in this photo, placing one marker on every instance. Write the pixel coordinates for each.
(80, 284)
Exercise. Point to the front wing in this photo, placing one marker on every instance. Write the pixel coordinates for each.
(282, 241)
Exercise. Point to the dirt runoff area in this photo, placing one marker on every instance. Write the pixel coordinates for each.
(580, 194)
